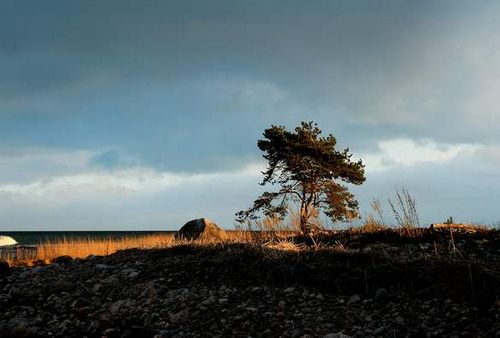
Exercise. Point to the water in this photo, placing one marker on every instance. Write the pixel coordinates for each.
(28, 238)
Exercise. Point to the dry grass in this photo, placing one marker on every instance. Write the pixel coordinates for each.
(460, 226)
(272, 237)
(405, 212)
(371, 225)
(83, 247)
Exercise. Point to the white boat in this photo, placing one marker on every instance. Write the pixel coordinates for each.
(7, 240)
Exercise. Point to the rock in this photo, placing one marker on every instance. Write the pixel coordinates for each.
(209, 301)
(102, 267)
(201, 228)
(110, 332)
(60, 286)
(7, 241)
(4, 268)
(336, 335)
(380, 294)
(354, 299)
(115, 307)
(366, 250)
(180, 316)
(39, 263)
(130, 273)
(62, 259)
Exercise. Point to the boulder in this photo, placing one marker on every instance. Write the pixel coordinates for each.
(7, 240)
(201, 228)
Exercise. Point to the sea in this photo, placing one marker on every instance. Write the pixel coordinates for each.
(31, 238)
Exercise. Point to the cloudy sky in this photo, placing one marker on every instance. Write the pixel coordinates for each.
(145, 114)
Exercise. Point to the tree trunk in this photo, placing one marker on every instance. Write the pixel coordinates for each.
(303, 220)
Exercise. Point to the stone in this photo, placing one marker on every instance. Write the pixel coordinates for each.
(380, 294)
(354, 299)
(7, 241)
(130, 273)
(110, 331)
(180, 316)
(336, 335)
(101, 267)
(201, 228)
(209, 301)
(4, 268)
(62, 259)
(115, 307)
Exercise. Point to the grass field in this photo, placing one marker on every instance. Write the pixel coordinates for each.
(46, 252)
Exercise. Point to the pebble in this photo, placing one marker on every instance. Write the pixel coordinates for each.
(380, 294)
(336, 335)
(354, 299)
(102, 267)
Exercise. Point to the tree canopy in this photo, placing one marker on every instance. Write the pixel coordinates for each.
(309, 171)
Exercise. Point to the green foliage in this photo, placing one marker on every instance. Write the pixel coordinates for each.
(308, 168)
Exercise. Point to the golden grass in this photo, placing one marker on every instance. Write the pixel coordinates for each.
(460, 226)
(83, 247)
(281, 240)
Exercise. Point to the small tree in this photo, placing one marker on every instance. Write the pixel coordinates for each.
(307, 168)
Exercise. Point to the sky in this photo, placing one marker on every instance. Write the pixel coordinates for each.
(135, 115)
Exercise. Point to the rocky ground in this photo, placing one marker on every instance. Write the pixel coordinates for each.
(380, 285)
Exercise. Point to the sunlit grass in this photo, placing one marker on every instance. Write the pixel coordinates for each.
(270, 238)
(83, 247)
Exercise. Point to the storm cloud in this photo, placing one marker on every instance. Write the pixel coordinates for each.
(94, 92)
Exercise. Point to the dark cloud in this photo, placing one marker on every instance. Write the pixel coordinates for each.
(364, 70)
(189, 86)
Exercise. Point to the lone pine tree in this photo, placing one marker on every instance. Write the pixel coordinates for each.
(309, 171)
